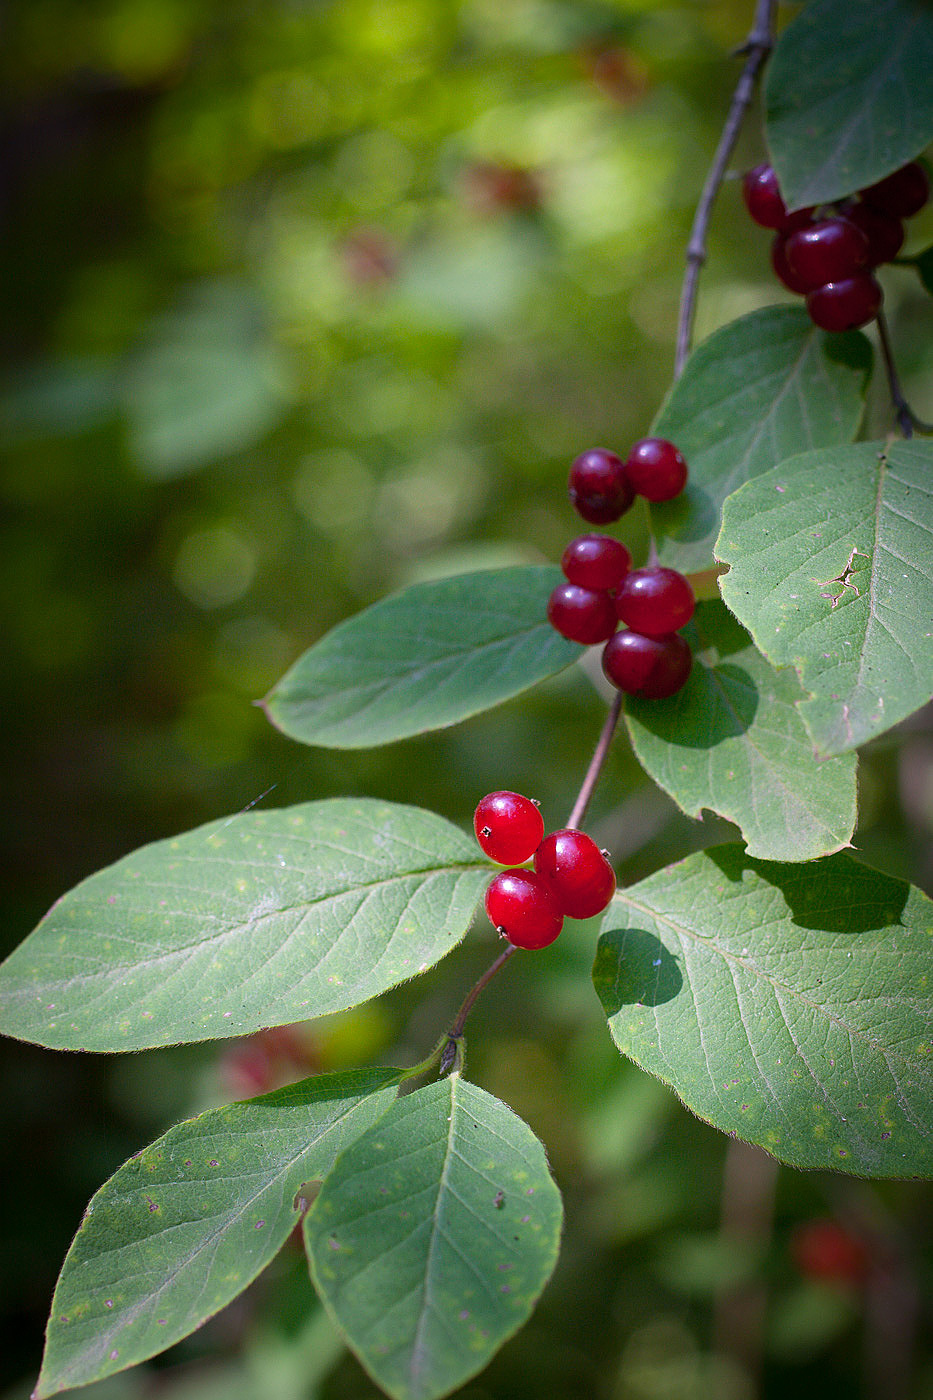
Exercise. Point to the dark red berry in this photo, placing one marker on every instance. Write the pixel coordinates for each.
(524, 909)
(827, 251)
(598, 486)
(655, 601)
(763, 197)
(782, 269)
(656, 469)
(577, 871)
(581, 614)
(901, 194)
(651, 667)
(843, 306)
(596, 561)
(508, 827)
(885, 234)
(825, 1250)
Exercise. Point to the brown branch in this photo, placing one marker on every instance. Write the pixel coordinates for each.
(757, 47)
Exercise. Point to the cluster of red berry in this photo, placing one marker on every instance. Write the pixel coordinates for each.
(828, 253)
(647, 658)
(572, 877)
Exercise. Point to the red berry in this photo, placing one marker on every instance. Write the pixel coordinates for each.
(580, 614)
(598, 486)
(825, 1250)
(596, 561)
(885, 234)
(651, 667)
(508, 827)
(901, 194)
(827, 251)
(763, 197)
(655, 601)
(524, 909)
(843, 306)
(782, 268)
(656, 470)
(577, 871)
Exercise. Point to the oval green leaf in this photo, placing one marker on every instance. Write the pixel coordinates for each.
(188, 1223)
(434, 1236)
(759, 389)
(831, 570)
(848, 96)
(263, 919)
(788, 1005)
(732, 741)
(423, 659)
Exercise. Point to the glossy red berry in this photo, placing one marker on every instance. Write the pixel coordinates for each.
(763, 197)
(650, 667)
(655, 601)
(524, 909)
(577, 871)
(885, 234)
(583, 615)
(656, 469)
(596, 561)
(782, 268)
(902, 193)
(598, 486)
(843, 306)
(827, 251)
(508, 827)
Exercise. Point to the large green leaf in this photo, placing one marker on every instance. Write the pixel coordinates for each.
(422, 659)
(848, 95)
(788, 1005)
(758, 390)
(187, 1223)
(433, 1237)
(263, 919)
(732, 741)
(831, 570)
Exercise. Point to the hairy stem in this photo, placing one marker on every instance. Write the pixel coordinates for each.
(756, 49)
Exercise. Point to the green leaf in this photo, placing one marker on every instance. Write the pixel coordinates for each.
(924, 266)
(732, 741)
(263, 919)
(848, 96)
(433, 1237)
(423, 659)
(758, 390)
(187, 1223)
(788, 1005)
(831, 570)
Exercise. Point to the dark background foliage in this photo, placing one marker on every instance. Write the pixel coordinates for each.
(303, 302)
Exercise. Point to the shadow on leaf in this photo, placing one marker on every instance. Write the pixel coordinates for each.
(835, 895)
(633, 968)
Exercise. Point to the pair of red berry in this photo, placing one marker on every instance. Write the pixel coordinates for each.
(571, 877)
(829, 257)
(602, 589)
(602, 486)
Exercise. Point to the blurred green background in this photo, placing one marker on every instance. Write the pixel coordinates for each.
(304, 301)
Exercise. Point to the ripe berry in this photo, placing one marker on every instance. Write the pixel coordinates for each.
(596, 561)
(655, 601)
(651, 667)
(843, 306)
(782, 268)
(581, 614)
(656, 470)
(827, 251)
(598, 486)
(508, 827)
(763, 197)
(524, 909)
(901, 194)
(885, 234)
(577, 872)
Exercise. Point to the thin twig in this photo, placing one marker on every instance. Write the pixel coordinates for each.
(756, 48)
(596, 763)
(907, 420)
